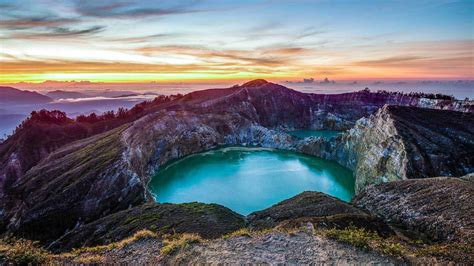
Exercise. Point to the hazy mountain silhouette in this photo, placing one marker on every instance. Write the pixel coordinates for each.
(9, 95)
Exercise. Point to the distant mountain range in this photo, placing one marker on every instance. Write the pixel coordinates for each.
(9, 95)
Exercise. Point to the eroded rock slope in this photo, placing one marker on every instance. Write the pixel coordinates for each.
(400, 142)
(439, 208)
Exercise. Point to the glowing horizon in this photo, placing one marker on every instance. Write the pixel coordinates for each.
(215, 41)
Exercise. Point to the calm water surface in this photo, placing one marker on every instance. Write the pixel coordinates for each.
(314, 133)
(249, 179)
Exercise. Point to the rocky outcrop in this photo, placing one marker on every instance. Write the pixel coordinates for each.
(439, 208)
(207, 220)
(400, 142)
(306, 204)
(403, 142)
(318, 209)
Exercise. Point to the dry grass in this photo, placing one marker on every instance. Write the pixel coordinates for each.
(247, 232)
(241, 232)
(175, 242)
(407, 249)
(369, 240)
(22, 251)
(450, 251)
(358, 237)
(95, 255)
(142, 234)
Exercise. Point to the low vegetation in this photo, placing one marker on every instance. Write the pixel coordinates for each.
(175, 242)
(407, 249)
(247, 232)
(370, 240)
(97, 254)
(88, 260)
(142, 234)
(450, 251)
(358, 237)
(21, 251)
(434, 96)
(241, 232)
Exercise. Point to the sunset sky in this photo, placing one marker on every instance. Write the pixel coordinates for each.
(195, 41)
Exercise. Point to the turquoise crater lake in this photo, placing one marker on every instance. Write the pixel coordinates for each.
(326, 134)
(248, 179)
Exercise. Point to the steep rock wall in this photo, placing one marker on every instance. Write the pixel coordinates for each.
(399, 142)
(440, 208)
(156, 139)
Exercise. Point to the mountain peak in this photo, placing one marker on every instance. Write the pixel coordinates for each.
(255, 83)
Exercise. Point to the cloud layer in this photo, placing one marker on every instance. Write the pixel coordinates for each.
(210, 39)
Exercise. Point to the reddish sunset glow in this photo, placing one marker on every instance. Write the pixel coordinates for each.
(201, 41)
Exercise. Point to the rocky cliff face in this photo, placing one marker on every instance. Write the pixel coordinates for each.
(94, 177)
(164, 136)
(400, 142)
(438, 208)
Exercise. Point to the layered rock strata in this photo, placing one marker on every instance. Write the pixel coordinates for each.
(399, 143)
(440, 209)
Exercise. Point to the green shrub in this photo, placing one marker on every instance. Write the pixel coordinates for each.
(358, 237)
(392, 248)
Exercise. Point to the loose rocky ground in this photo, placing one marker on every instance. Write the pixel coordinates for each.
(304, 245)
(301, 246)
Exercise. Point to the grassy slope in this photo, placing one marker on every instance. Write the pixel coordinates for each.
(63, 186)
